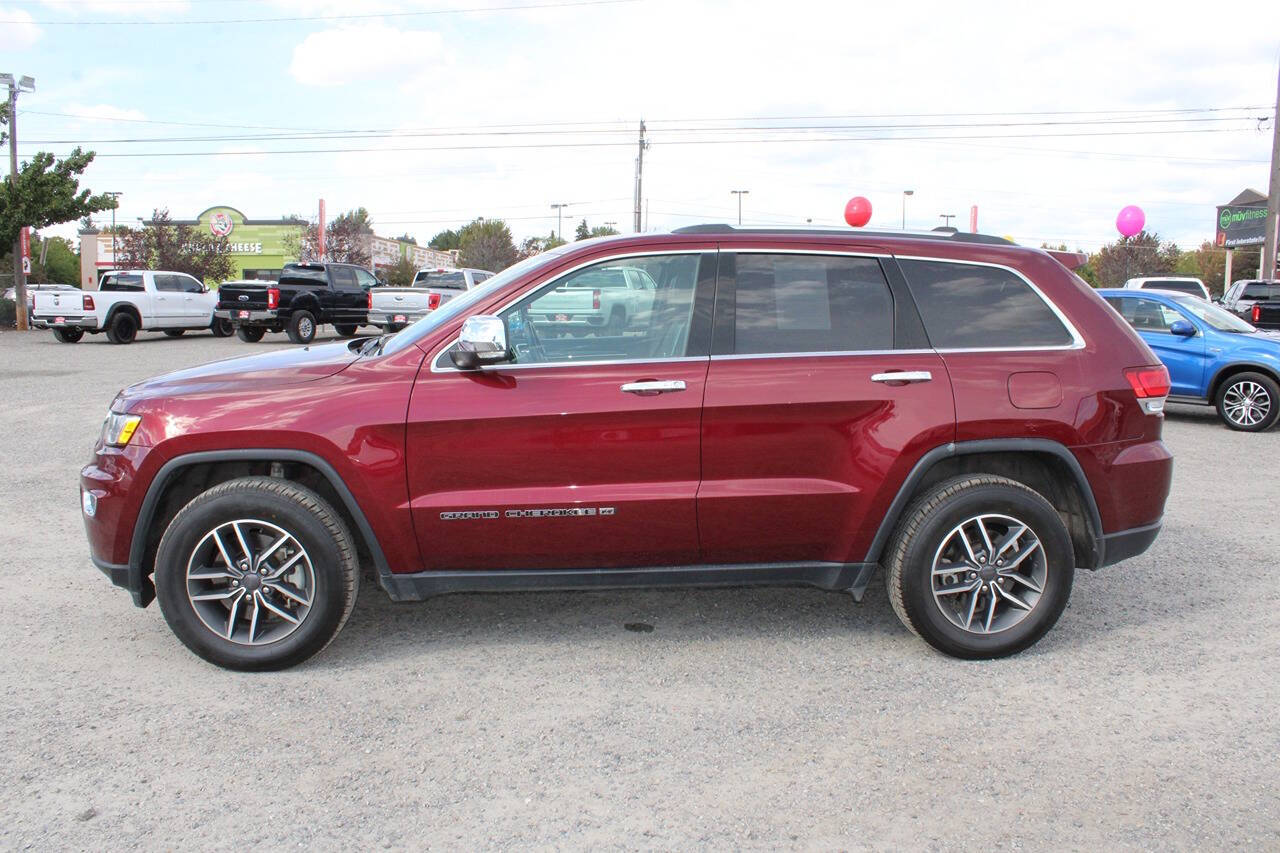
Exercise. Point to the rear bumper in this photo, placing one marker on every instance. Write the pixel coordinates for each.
(63, 322)
(379, 317)
(240, 316)
(1114, 547)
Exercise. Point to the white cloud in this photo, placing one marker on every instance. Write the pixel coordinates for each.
(20, 35)
(365, 55)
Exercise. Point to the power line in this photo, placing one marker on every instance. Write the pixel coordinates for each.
(301, 18)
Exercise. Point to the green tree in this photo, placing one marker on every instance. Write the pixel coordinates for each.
(179, 248)
(582, 232)
(47, 193)
(347, 240)
(537, 245)
(446, 240)
(486, 244)
(1140, 255)
(61, 263)
(407, 238)
(401, 273)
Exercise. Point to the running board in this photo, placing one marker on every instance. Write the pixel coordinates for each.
(842, 577)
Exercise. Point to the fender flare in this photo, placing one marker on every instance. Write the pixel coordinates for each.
(144, 590)
(994, 445)
(1211, 391)
(123, 306)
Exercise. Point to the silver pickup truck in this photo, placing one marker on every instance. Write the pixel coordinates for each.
(393, 308)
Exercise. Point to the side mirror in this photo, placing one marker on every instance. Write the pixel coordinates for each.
(483, 340)
(1182, 329)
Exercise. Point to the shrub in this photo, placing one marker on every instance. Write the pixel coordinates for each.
(8, 314)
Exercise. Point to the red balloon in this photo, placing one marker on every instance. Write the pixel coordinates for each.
(857, 212)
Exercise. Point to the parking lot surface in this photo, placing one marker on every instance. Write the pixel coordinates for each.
(746, 718)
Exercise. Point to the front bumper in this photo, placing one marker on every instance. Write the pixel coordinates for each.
(64, 322)
(240, 316)
(110, 479)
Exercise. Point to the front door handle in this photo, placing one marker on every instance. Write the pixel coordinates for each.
(903, 377)
(654, 386)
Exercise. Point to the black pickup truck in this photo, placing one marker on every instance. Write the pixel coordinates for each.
(306, 296)
(1254, 300)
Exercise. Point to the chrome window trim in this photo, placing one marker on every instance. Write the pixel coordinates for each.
(840, 354)
(1077, 340)
(435, 356)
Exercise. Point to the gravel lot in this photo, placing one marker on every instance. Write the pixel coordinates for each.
(746, 718)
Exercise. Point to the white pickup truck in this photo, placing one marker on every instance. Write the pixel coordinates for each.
(393, 308)
(127, 301)
(599, 300)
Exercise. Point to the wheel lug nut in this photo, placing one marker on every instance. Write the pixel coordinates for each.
(972, 575)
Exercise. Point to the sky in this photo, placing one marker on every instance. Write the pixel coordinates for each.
(1048, 117)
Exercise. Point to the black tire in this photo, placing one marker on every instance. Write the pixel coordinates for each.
(302, 327)
(298, 511)
(346, 331)
(1254, 404)
(926, 528)
(250, 334)
(123, 328)
(222, 328)
(174, 333)
(68, 336)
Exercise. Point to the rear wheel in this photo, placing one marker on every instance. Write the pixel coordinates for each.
(345, 331)
(68, 336)
(222, 328)
(250, 334)
(617, 322)
(980, 567)
(256, 573)
(174, 333)
(123, 328)
(302, 327)
(1249, 402)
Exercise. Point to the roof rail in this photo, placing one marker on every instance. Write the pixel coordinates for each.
(936, 234)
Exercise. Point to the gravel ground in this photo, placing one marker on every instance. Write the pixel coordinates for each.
(746, 718)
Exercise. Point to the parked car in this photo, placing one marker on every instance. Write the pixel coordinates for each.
(306, 296)
(129, 301)
(1176, 283)
(604, 300)
(1214, 357)
(11, 294)
(393, 308)
(1243, 296)
(797, 407)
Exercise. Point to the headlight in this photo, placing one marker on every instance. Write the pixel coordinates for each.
(119, 428)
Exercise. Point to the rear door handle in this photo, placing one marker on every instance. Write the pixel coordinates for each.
(654, 386)
(902, 376)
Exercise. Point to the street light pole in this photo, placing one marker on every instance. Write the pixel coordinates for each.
(559, 209)
(946, 219)
(739, 194)
(24, 84)
(905, 193)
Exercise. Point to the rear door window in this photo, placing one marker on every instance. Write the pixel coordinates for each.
(169, 283)
(122, 283)
(966, 306)
(344, 278)
(1145, 315)
(809, 304)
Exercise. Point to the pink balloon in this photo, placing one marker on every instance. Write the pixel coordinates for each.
(1130, 220)
(857, 212)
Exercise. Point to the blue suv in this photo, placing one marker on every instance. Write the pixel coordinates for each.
(1213, 356)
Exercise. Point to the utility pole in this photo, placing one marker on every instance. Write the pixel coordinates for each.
(1273, 195)
(559, 209)
(640, 175)
(739, 194)
(25, 84)
(905, 193)
(115, 197)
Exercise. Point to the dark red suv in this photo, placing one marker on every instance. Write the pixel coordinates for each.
(779, 407)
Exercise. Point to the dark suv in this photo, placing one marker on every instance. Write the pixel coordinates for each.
(793, 407)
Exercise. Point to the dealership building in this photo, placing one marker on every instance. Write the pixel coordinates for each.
(257, 246)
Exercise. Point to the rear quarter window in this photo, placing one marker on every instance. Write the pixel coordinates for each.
(966, 306)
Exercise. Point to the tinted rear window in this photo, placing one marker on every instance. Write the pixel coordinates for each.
(443, 280)
(122, 283)
(971, 307)
(1260, 291)
(1176, 286)
(604, 278)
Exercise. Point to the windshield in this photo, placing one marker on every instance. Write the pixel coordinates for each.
(461, 304)
(1217, 318)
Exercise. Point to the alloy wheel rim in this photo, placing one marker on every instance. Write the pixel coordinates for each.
(1247, 403)
(250, 582)
(305, 328)
(988, 574)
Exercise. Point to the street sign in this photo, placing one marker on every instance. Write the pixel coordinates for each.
(26, 266)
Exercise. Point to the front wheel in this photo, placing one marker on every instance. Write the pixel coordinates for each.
(222, 328)
(302, 327)
(1249, 402)
(68, 336)
(256, 574)
(250, 334)
(980, 567)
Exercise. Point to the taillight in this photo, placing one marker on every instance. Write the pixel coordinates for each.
(88, 302)
(433, 301)
(1256, 313)
(595, 299)
(369, 302)
(273, 297)
(1150, 385)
